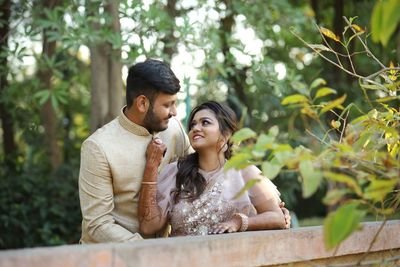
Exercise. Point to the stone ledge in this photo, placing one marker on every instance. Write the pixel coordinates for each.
(239, 249)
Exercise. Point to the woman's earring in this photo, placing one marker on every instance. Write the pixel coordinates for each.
(224, 147)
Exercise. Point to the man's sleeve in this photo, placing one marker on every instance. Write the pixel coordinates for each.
(97, 198)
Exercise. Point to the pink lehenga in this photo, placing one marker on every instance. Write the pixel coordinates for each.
(216, 204)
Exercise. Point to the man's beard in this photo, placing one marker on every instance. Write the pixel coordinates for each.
(152, 122)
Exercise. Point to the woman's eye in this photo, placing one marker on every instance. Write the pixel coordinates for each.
(206, 122)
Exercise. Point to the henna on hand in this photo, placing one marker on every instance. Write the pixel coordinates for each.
(155, 152)
(148, 208)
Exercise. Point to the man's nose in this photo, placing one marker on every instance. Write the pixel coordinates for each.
(172, 111)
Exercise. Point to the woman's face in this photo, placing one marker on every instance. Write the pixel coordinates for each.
(204, 133)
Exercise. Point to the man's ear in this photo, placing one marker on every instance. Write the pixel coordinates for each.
(142, 103)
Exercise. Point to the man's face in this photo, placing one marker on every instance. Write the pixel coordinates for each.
(159, 113)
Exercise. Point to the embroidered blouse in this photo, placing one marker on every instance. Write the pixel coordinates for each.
(216, 204)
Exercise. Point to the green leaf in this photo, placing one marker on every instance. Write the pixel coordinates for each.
(378, 189)
(293, 99)
(283, 156)
(333, 104)
(317, 82)
(306, 168)
(319, 47)
(341, 223)
(311, 178)
(238, 161)
(372, 86)
(274, 131)
(343, 178)
(360, 119)
(362, 141)
(334, 196)
(271, 169)
(311, 184)
(243, 134)
(324, 91)
(42, 96)
(250, 183)
(387, 99)
(376, 22)
(264, 142)
(390, 19)
(54, 101)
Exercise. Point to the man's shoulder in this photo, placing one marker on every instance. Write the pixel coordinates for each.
(105, 132)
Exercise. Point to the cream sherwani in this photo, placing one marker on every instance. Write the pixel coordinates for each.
(112, 165)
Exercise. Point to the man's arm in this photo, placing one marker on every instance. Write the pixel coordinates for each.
(97, 198)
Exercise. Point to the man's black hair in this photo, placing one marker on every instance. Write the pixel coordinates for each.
(149, 78)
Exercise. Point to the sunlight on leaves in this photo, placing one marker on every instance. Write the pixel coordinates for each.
(243, 134)
(328, 33)
(333, 104)
(294, 99)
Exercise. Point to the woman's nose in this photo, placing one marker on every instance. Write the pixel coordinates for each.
(196, 127)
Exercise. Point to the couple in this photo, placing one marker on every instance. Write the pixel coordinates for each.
(123, 195)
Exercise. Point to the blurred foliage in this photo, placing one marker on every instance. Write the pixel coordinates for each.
(37, 210)
(40, 206)
(359, 153)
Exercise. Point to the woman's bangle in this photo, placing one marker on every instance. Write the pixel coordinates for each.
(245, 221)
(150, 183)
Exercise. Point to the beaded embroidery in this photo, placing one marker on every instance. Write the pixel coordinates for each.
(197, 216)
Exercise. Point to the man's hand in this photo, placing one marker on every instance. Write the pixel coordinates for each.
(286, 214)
(155, 152)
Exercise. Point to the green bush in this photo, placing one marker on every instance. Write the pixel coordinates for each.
(39, 210)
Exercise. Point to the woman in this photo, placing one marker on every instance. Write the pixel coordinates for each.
(195, 195)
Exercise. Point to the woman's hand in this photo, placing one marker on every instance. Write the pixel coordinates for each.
(286, 214)
(155, 152)
(230, 226)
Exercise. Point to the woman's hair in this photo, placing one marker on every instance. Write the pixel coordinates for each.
(188, 178)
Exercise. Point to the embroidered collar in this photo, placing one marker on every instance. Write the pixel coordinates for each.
(212, 174)
(131, 126)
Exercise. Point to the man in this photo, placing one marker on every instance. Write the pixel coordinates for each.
(113, 158)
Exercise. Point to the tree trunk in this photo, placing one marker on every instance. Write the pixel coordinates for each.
(9, 146)
(314, 4)
(48, 115)
(115, 86)
(170, 41)
(99, 86)
(237, 78)
(106, 74)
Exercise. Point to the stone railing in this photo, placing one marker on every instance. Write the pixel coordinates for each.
(295, 247)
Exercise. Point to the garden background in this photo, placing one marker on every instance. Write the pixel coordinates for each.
(62, 75)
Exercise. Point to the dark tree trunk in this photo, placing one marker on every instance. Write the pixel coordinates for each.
(9, 146)
(314, 5)
(170, 41)
(48, 114)
(237, 78)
